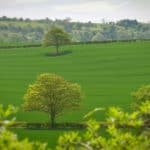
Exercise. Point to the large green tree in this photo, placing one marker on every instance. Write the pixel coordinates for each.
(52, 94)
(57, 37)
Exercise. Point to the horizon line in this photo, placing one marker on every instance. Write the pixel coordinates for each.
(103, 20)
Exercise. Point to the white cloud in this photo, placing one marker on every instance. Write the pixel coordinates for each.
(82, 10)
(89, 7)
(9, 3)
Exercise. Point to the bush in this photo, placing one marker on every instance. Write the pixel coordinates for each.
(118, 139)
(9, 140)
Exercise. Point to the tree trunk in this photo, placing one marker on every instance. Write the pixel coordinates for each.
(52, 120)
(57, 49)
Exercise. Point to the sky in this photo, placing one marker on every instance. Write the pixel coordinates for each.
(77, 10)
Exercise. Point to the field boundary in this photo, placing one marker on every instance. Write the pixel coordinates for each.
(65, 125)
(72, 43)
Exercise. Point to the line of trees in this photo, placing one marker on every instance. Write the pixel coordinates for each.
(26, 30)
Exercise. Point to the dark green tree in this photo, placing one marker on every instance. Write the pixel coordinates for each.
(57, 37)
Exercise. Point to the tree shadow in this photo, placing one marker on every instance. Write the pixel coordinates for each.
(57, 126)
(54, 54)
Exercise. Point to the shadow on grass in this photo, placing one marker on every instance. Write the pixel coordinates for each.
(55, 129)
(47, 126)
(54, 54)
(58, 126)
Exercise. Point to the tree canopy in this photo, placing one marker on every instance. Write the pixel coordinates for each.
(52, 94)
(57, 37)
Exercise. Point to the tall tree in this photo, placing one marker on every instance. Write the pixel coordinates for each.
(57, 37)
(52, 94)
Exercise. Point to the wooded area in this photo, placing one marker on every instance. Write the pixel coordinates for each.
(15, 30)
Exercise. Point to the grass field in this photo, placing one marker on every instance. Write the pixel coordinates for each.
(107, 73)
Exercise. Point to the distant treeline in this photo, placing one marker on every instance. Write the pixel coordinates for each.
(15, 30)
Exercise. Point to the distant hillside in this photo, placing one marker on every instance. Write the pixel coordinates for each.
(13, 30)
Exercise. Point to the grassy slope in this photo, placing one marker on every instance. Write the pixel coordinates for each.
(108, 73)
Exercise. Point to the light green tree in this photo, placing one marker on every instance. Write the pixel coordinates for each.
(52, 94)
(57, 37)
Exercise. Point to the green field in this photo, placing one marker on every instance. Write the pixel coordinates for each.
(107, 73)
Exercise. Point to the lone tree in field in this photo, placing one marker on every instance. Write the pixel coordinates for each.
(52, 94)
(57, 37)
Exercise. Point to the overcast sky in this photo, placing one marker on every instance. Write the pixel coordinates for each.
(78, 10)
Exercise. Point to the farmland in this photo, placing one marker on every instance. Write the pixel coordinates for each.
(107, 73)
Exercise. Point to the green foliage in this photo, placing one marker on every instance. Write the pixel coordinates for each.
(142, 94)
(145, 108)
(52, 94)
(57, 37)
(9, 140)
(145, 114)
(142, 102)
(6, 113)
(121, 118)
(119, 137)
